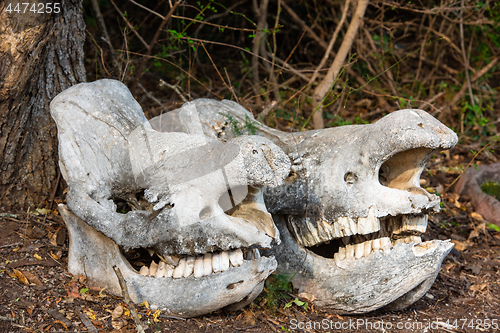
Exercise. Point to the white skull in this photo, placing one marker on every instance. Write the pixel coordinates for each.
(195, 204)
(352, 210)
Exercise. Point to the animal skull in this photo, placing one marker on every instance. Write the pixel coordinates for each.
(352, 210)
(195, 204)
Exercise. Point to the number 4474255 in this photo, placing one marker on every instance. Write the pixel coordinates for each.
(36, 8)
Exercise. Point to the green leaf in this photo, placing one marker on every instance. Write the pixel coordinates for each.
(84, 290)
(493, 226)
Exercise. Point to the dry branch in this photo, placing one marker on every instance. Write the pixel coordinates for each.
(328, 81)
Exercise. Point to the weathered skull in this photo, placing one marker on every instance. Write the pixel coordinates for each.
(352, 210)
(193, 203)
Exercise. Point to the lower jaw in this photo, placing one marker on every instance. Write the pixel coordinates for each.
(94, 255)
(393, 278)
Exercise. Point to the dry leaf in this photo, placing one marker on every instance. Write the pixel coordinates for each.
(307, 296)
(33, 278)
(52, 239)
(476, 216)
(21, 277)
(117, 312)
(118, 323)
(56, 256)
(37, 257)
(145, 304)
(43, 211)
(460, 246)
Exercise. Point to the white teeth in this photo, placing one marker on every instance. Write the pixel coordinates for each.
(189, 267)
(376, 244)
(236, 257)
(368, 248)
(385, 243)
(256, 254)
(172, 260)
(369, 224)
(359, 250)
(151, 252)
(216, 267)
(349, 251)
(207, 264)
(415, 239)
(198, 267)
(169, 271)
(144, 271)
(179, 270)
(422, 223)
(160, 272)
(224, 261)
(153, 268)
(339, 256)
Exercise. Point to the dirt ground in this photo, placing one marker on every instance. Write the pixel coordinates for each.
(37, 294)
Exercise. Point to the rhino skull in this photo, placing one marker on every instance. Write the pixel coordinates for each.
(194, 206)
(352, 210)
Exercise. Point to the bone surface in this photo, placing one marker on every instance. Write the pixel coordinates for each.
(352, 210)
(131, 187)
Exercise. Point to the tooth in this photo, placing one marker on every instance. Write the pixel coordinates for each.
(347, 226)
(369, 224)
(198, 267)
(153, 268)
(422, 223)
(151, 252)
(385, 243)
(189, 267)
(337, 231)
(256, 254)
(353, 225)
(216, 267)
(144, 271)
(349, 251)
(160, 272)
(341, 253)
(224, 261)
(415, 239)
(376, 244)
(368, 248)
(337, 258)
(236, 257)
(169, 271)
(172, 260)
(359, 250)
(179, 270)
(207, 264)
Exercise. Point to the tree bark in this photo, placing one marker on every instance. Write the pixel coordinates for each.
(41, 54)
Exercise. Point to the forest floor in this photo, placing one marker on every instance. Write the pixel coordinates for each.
(37, 294)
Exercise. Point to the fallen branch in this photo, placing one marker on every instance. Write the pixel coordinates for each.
(128, 301)
(86, 321)
(328, 81)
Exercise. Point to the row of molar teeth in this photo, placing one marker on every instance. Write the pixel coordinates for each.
(199, 266)
(308, 234)
(364, 249)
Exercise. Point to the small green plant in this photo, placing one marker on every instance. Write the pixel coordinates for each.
(491, 188)
(297, 302)
(248, 128)
(276, 289)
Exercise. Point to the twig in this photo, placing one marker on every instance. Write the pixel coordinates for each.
(332, 42)
(55, 188)
(142, 64)
(327, 84)
(86, 321)
(9, 245)
(261, 13)
(476, 76)
(466, 60)
(129, 25)
(231, 86)
(174, 88)
(216, 69)
(128, 301)
(468, 165)
(150, 96)
(104, 32)
(304, 26)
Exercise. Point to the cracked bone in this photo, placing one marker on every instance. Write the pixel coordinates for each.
(172, 185)
(360, 180)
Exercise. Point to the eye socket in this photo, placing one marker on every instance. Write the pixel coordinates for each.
(350, 178)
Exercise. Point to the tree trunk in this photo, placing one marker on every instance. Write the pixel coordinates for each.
(41, 54)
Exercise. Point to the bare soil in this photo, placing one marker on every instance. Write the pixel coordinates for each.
(37, 294)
